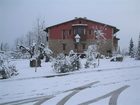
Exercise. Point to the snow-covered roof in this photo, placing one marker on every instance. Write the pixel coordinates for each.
(115, 29)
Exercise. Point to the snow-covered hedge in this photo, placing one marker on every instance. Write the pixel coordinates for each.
(91, 55)
(6, 69)
(64, 63)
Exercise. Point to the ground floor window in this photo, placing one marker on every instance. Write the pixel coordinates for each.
(84, 46)
(75, 46)
(109, 52)
(64, 46)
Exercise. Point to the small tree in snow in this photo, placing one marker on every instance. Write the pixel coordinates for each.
(100, 38)
(60, 64)
(131, 48)
(91, 55)
(6, 68)
(37, 53)
(138, 50)
(66, 63)
(75, 60)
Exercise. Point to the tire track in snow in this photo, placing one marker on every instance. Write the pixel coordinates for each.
(75, 91)
(114, 96)
(40, 100)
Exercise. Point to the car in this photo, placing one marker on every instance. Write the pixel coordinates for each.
(117, 58)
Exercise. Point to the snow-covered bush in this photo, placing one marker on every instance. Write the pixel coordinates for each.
(60, 64)
(64, 63)
(37, 53)
(74, 59)
(19, 55)
(47, 53)
(91, 55)
(6, 69)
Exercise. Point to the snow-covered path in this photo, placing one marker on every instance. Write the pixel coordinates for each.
(111, 84)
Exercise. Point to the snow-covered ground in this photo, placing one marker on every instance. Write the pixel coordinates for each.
(112, 83)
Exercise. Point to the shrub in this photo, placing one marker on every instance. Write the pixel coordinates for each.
(6, 69)
(64, 63)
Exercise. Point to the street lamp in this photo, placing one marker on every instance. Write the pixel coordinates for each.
(77, 38)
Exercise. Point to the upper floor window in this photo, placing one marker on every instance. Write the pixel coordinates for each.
(79, 30)
(69, 32)
(90, 31)
(64, 33)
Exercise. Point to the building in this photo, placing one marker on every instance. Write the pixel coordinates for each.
(61, 37)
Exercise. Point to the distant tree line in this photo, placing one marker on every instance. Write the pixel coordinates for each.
(134, 52)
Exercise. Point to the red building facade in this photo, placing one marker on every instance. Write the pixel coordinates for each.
(61, 37)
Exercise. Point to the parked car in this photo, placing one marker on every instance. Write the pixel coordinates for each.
(117, 58)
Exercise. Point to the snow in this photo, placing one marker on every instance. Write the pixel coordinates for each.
(98, 85)
(131, 94)
(27, 72)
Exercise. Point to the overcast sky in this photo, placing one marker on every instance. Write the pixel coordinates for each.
(17, 17)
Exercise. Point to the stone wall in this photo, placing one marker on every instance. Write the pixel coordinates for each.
(57, 46)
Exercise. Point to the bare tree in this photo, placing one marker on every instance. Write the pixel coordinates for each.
(29, 38)
(39, 32)
(100, 38)
(1, 46)
(4, 46)
(36, 35)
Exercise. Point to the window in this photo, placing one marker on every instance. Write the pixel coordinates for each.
(75, 46)
(90, 31)
(64, 33)
(84, 46)
(64, 37)
(79, 30)
(64, 46)
(69, 32)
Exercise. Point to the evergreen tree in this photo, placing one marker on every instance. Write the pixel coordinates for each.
(138, 50)
(131, 48)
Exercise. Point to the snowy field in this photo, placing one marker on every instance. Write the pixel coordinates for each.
(112, 83)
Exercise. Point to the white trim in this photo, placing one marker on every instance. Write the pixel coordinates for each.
(79, 24)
